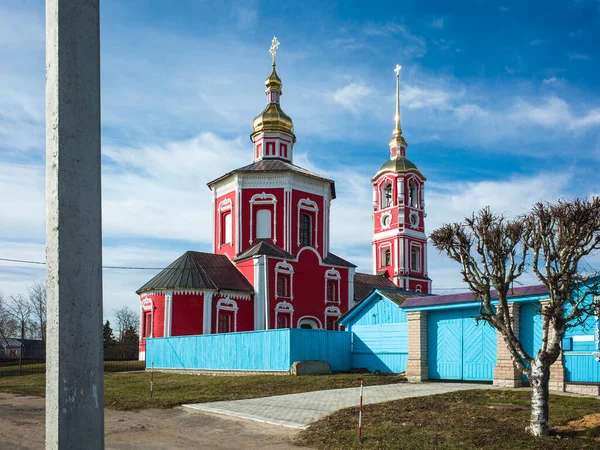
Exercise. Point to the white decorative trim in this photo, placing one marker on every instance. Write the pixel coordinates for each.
(312, 320)
(227, 304)
(405, 232)
(147, 304)
(312, 250)
(236, 295)
(309, 205)
(207, 313)
(417, 220)
(233, 294)
(263, 199)
(284, 308)
(285, 268)
(333, 275)
(382, 218)
(332, 311)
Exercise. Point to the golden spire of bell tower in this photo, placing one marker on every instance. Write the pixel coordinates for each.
(398, 143)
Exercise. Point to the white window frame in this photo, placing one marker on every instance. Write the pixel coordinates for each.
(332, 311)
(226, 206)
(284, 308)
(263, 199)
(310, 320)
(284, 268)
(333, 275)
(307, 204)
(382, 248)
(416, 246)
(227, 304)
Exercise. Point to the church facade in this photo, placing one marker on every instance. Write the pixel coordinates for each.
(271, 265)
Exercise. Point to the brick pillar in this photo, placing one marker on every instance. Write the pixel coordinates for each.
(505, 372)
(557, 375)
(417, 368)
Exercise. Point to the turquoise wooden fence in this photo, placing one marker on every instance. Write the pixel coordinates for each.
(260, 351)
(381, 347)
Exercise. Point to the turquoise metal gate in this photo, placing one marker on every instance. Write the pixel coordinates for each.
(459, 348)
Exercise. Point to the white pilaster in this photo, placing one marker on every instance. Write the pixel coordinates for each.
(168, 313)
(259, 295)
(351, 272)
(207, 313)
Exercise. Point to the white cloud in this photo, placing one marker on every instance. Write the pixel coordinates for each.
(553, 81)
(536, 42)
(417, 97)
(438, 23)
(415, 45)
(352, 96)
(555, 112)
(579, 56)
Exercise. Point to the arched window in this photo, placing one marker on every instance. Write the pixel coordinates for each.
(282, 322)
(283, 286)
(224, 322)
(386, 257)
(330, 323)
(415, 259)
(331, 297)
(412, 194)
(263, 224)
(386, 196)
(305, 229)
(228, 228)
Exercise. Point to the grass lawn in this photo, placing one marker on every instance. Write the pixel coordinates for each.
(128, 391)
(461, 420)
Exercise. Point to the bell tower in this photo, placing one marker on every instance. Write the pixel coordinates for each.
(399, 240)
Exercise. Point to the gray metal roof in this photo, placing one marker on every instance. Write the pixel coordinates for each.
(264, 248)
(197, 270)
(335, 260)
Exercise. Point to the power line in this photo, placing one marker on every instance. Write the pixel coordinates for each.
(42, 263)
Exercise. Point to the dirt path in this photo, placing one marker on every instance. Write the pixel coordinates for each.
(22, 427)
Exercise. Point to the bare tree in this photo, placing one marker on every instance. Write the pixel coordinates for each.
(8, 325)
(37, 303)
(125, 318)
(494, 252)
(20, 310)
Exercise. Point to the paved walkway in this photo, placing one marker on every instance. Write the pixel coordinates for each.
(300, 410)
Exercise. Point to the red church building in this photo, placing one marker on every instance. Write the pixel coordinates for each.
(271, 266)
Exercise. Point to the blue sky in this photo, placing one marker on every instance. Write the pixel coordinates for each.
(500, 107)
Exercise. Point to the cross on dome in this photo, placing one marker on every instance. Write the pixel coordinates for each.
(397, 69)
(273, 49)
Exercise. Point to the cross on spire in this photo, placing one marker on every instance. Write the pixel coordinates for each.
(397, 70)
(397, 129)
(273, 49)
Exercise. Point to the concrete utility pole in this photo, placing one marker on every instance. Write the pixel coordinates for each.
(74, 350)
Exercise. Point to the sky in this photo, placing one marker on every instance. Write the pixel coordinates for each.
(500, 108)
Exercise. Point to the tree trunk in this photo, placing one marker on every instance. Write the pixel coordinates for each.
(540, 377)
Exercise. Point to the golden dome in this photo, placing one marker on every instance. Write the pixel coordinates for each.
(273, 119)
(273, 82)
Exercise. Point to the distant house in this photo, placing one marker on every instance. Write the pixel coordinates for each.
(11, 348)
